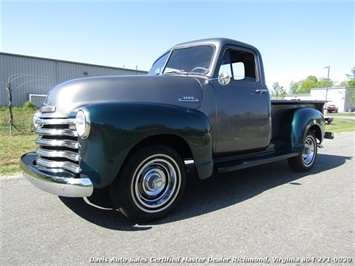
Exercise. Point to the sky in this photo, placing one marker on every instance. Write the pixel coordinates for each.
(296, 38)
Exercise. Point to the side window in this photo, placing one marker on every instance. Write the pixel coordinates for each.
(240, 65)
(226, 66)
(238, 70)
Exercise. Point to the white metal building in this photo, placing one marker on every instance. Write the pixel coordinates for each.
(334, 95)
(32, 77)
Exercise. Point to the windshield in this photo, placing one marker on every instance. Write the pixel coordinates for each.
(157, 67)
(190, 60)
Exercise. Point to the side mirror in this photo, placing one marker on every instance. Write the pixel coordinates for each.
(224, 79)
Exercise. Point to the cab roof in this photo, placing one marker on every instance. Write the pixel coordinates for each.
(218, 42)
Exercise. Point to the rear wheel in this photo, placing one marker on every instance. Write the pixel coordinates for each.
(150, 183)
(306, 160)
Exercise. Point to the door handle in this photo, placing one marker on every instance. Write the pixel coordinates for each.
(261, 91)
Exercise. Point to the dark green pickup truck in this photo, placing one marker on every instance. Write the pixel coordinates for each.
(204, 103)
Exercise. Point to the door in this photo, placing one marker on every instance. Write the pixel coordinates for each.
(243, 106)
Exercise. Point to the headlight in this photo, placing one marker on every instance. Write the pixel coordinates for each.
(36, 117)
(82, 124)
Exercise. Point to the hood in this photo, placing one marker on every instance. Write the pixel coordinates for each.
(184, 91)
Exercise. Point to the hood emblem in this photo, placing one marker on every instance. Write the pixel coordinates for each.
(188, 99)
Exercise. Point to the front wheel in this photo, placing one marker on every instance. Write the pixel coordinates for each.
(150, 183)
(305, 161)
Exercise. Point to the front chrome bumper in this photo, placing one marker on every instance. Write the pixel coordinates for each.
(60, 183)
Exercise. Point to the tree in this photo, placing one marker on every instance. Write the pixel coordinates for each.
(350, 92)
(306, 85)
(9, 89)
(343, 84)
(351, 77)
(294, 86)
(9, 95)
(277, 91)
(324, 82)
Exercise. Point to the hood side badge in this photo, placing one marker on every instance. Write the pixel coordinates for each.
(188, 99)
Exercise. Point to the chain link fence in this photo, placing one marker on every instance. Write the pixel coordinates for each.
(21, 122)
(14, 120)
(350, 99)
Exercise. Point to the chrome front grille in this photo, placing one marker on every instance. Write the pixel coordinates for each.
(58, 144)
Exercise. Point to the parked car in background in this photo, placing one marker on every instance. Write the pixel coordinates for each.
(331, 108)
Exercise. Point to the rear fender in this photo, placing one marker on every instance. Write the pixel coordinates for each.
(306, 119)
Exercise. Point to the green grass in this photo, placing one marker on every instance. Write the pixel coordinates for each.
(22, 119)
(340, 125)
(341, 114)
(12, 147)
(20, 142)
(23, 138)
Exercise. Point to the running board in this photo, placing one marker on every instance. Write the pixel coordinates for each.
(245, 163)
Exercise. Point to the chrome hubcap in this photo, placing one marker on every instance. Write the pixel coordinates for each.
(309, 151)
(153, 182)
(156, 183)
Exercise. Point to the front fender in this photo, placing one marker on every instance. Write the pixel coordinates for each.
(117, 127)
(303, 120)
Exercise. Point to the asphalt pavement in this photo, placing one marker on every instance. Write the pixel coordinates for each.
(266, 215)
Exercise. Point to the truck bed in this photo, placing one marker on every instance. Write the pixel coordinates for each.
(282, 114)
(291, 104)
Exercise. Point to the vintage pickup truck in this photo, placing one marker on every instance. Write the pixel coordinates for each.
(204, 103)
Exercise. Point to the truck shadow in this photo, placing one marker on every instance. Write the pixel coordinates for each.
(214, 193)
